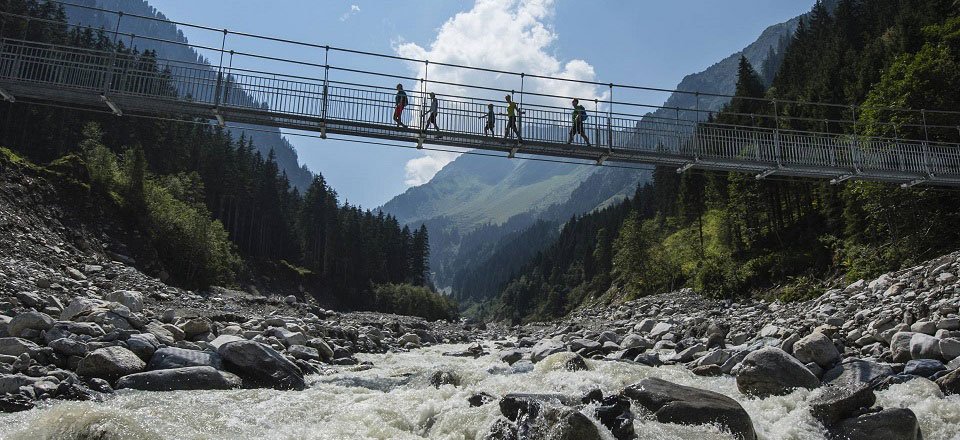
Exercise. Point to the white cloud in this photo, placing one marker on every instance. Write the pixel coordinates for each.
(354, 10)
(422, 169)
(508, 35)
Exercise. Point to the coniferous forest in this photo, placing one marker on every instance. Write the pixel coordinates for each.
(215, 210)
(731, 235)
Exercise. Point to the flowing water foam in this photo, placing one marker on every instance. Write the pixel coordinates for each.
(394, 400)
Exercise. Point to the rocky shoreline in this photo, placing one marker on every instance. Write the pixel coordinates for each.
(845, 345)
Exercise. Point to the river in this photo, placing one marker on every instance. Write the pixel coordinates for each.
(394, 400)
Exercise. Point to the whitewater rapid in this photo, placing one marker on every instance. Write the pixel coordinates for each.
(394, 400)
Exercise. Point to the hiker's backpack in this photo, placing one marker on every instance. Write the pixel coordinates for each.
(583, 113)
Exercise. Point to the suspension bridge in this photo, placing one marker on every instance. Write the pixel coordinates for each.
(335, 102)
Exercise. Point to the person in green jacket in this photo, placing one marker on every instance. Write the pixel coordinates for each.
(579, 117)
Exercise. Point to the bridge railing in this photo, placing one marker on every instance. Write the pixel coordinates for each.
(289, 97)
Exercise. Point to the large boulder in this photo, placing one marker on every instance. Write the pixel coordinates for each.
(672, 403)
(29, 321)
(16, 346)
(171, 357)
(261, 366)
(771, 371)
(856, 371)
(900, 346)
(924, 346)
(177, 379)
(831, 404)
(817, 348)
(130, 298)
(888, 424)
(110, 363)
(545, 348)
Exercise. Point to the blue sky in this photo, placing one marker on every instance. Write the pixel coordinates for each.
(650, 43)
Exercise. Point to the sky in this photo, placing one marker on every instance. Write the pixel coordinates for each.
(640, 42)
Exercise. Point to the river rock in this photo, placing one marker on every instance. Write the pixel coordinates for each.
(178, 379)
(195, 327)
(900, 346)
(303, 352)
(91, 329)
(661, 329)
(672, 403)
(326, 353)
(635, 341)
(511, 356)
(888, 424)
(259, 365)
(132, 299)
(950, 348)
(587, 345)
(923, 346)
(17, 346)
(11, 383)
(110, 363)
(29, 321)
(223, 339)
(950, 383)
(168, 358)
(771, 371)
(831, 404)
(68, 347)
(143, 345)
(545, 348)
(817, 348)
(923, 367)
(158, 331)
(515, 405)
(80, 305)
(564, 360)
(444, 377)
(856, 371)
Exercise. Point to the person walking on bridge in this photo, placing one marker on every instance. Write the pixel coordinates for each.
(431, 115)
(488, 130)
(401, 102)
(512, 120)
(579, 116)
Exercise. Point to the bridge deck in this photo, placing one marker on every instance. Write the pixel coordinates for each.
(86, 78)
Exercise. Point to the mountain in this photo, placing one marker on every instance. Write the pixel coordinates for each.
(264, 138)
(476, 200)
